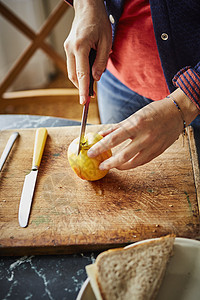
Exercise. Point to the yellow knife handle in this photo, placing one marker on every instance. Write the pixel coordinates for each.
(40, 140)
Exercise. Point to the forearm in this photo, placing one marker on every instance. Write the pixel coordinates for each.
(93, 7)
(82, 3)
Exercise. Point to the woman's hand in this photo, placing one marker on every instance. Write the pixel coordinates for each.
(90, 29)
(150, 131)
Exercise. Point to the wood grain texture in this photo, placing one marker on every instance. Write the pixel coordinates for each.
(70, 215)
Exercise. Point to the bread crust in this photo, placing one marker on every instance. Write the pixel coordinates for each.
(143, 246)
(146, 242)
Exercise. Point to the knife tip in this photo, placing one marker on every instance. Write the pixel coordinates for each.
(23, 223)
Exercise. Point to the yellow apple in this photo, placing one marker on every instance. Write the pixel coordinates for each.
(85, 167)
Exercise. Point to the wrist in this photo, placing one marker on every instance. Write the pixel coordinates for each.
(80, 4)
(189, 110)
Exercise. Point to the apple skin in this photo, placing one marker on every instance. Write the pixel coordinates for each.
(85, 167)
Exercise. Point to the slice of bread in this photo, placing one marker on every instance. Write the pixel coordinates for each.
(134, 272)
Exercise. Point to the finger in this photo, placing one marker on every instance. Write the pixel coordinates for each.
(83, 75)
(71, 69)
(109, 130)
(131, 164)
(121, 157)
(101, 60)
(109, 141)
(141, 158)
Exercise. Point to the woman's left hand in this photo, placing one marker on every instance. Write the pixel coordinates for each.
(150, 131)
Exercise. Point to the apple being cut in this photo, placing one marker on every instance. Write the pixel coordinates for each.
(85, 167)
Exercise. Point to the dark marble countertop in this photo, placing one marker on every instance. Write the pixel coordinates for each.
(48, 276)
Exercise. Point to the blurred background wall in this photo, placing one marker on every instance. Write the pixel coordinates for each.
(40, 68)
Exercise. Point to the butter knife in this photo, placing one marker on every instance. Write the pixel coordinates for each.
(30, 179)
(8, 148)
(92, 57)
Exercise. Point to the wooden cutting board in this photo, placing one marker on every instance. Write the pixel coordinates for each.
(70, 215)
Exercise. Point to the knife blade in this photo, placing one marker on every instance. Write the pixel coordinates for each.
(30, 179)
(8, 148)
(92, 57)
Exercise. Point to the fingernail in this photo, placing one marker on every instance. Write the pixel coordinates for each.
(82, 100)
(100, 133)
(97, 75)
(102, 167)
(91, 153)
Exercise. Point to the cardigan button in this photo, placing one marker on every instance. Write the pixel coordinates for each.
(111, 18)
(164, 36)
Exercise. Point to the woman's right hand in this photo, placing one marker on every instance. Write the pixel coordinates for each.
(90, 29)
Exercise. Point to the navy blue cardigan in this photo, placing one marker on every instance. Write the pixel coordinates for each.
(180, 20)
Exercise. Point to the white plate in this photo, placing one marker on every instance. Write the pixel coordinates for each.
(182, 277)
